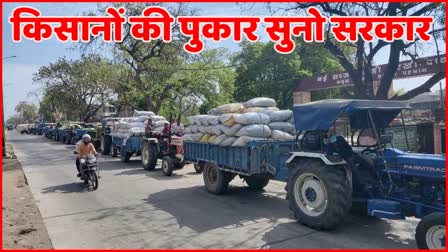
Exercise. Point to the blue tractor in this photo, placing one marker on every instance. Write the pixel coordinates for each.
(377, 178)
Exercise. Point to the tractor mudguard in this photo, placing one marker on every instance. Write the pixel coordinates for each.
(328, 160)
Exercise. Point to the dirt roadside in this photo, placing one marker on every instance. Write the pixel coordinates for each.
(22, 224)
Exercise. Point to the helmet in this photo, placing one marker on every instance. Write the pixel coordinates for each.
(86, 138)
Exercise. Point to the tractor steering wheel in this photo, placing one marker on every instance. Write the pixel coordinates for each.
(369, 149)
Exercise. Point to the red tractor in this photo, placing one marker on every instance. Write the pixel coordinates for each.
(167, 148)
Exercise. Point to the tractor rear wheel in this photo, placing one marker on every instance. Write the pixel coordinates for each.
(167, 165)
(431, 232)
(319, 195)
(215, 180)
(257, 182)
(149, 156)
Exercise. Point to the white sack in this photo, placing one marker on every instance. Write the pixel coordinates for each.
(157, 118)
(253, 118)
(229, 141)
(213, 130)
(159, 129)
(291, 120)
(187, 137)
(230, 131)
(213, 111)
(280, 116)
(260, 109)
(191, 129)
(160, 123)
(260, 102)
(280, 135)
(283, 126)
(230, 108)
(220, 139)
(143, 113)
(202, 129)
(188, 130)
(254, 130)
(244, 140)
(137, 130)
(136, 125)
(213, 120)
(196, 137)
(202, 120)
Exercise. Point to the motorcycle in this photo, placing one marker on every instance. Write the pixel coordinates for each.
(89, 170)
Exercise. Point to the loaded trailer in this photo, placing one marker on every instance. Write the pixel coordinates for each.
(324, 183)
(126, 147)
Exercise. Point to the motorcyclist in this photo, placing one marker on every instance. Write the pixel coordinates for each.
(84, 149)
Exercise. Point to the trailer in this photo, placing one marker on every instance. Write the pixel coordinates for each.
(256, 163)
(126, 147)
(326, 176)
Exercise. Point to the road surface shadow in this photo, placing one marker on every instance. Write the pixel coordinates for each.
(154, 174)
(74, 187)
(354, 232)
(115, 164)
(201, 211)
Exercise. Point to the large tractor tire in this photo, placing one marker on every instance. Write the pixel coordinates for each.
(257, 182)
(149, 156)
(431, 232)
(319, 195)
(167, 165)
(106, 143)
(125, 156)
(215, 180)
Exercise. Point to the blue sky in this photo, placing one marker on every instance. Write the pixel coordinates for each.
(18, 72)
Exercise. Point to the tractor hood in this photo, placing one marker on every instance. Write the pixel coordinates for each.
(427, 165)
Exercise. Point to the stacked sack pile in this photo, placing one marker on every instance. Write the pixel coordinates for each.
(135, 125)
(236, 124)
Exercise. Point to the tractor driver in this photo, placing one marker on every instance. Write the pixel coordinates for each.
(337, 144)
(334, 143)
(166, 129)
(148, 128)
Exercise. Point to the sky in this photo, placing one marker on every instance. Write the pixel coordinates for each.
(18, 72)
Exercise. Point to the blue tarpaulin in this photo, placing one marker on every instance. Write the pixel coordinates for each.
(321, 115)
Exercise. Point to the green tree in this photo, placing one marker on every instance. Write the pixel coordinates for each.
(261, 71)
(14, 120)
(27, 112)
(200, 84)
(151, 65)
(77, 88)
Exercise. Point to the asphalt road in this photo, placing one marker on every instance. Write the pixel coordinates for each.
(134, 208)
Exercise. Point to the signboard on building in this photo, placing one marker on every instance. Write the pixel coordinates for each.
(406, 69)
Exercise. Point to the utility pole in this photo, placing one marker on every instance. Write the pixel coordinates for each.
(3, 119)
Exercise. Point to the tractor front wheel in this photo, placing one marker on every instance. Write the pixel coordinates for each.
(319, 195)
(149, 156)
(167, 165)
(431, 232)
